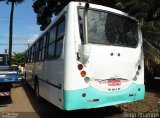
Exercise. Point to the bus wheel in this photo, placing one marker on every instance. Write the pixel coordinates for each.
(38, 98)
(24, 78)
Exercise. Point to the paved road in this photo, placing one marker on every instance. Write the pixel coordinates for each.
(23, 104)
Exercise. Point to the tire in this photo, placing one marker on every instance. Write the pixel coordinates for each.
(24, 78)
(38, 98)
(25, 75)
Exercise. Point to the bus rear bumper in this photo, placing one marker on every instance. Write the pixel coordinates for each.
(91, 98)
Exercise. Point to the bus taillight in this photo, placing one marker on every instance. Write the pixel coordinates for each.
(80, 66)
(83, 73)
(139, 67)
(137, 73)
(86, 79)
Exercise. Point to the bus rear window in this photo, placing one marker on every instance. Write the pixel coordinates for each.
(110, 28)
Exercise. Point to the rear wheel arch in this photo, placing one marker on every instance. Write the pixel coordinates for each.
(36, 88)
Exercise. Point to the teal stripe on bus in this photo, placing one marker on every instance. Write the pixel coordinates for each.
(76, 99)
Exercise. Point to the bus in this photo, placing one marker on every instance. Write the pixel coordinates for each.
(90, 56)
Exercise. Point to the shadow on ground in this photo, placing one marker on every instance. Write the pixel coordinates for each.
(46, 110)
(5, 100)
(153, 85)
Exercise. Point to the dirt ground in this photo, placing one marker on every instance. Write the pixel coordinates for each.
(149, 104)
(23, 104)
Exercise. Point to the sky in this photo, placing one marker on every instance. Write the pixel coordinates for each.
(25, 29)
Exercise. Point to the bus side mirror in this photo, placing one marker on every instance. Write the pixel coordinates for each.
(87, 5)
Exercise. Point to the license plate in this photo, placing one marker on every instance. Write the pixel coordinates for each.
(114, 82)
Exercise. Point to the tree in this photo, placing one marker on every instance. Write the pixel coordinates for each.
(18, 58)
(46, 8)
(11, 25)
(148, 13)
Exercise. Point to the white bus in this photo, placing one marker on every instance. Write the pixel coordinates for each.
(90, 56)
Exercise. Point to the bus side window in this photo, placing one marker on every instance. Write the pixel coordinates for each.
(40, 49)
(28, 56)
(59, 46)
(44, 48)
(59, 40)
(37, 50)
(34, 53)
(51, 46)
(30, 60)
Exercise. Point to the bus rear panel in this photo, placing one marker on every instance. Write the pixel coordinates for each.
(109, 69)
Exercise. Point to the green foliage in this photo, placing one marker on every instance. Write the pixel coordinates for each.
(151, 50)
(148, 13)
(152, 60)
(46, 8)
(18, 58)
